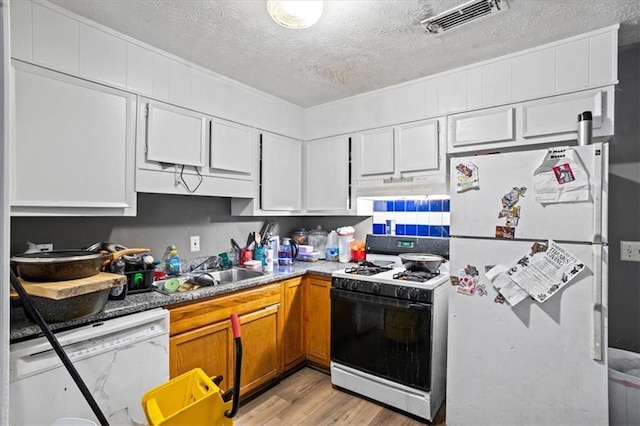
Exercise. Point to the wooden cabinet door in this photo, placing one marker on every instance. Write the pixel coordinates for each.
(417, 146)
(327, 177)
(281, 180)
(318, 320)
(260, 347)
(293, 322)
(209, 348)
(375, 153)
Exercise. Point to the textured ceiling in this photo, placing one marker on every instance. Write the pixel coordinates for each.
(355, 47)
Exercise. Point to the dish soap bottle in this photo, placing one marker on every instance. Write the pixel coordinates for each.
(173, 262)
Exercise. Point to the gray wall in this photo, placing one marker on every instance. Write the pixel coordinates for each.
(624, 204)
(163, 220)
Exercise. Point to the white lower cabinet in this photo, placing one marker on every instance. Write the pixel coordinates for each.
(327, 167)
(72, 146)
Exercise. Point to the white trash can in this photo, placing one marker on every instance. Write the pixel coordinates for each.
(624, 387)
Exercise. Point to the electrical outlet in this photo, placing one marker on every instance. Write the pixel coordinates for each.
(44, 247)
(630, 251)
(195, 243)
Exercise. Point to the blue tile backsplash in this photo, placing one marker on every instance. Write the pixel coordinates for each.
(420, 217)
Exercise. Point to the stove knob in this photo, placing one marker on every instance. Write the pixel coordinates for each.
(354, 285)
(376, 288)
(343, 284)
(400, 291)
(414, 293)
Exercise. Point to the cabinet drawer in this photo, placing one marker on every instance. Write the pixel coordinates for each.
(185, 317)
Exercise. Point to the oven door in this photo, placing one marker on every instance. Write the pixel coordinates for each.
(385, 337)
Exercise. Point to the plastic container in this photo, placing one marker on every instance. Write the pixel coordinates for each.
(345, 235)
(357, 250)
(268, 267)
(173, 262)
(313, 256)
(331, 251)
(318, 239)
(624, 387)
(189, 399)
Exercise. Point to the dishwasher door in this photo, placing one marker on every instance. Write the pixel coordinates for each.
(118, 359)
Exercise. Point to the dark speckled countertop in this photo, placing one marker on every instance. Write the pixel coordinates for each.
(23, 329)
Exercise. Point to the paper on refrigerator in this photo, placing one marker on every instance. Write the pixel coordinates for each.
(561, 178)
(508, 289)
(542, 273)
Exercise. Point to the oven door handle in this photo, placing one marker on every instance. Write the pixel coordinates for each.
(419, 307)
(378, 300)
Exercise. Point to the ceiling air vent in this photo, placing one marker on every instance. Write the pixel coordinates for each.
(463, 14)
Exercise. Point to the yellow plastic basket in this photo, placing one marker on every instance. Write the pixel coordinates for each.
(189, 399)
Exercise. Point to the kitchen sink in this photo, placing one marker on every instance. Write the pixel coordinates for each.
(233, 275)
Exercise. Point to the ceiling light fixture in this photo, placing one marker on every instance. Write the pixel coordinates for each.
(295, 14)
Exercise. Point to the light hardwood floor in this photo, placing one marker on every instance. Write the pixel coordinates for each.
(307, 398)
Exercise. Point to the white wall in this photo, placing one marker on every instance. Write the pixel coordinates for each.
(624, 204)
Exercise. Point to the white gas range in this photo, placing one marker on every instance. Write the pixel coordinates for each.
(389, 326)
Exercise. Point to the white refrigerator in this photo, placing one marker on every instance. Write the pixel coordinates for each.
(535, 363)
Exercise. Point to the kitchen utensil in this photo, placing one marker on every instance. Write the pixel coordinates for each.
(421, 261)
(59, 265)
(235, 245)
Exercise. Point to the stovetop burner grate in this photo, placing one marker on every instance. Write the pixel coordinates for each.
(415, 276)
(367, 268)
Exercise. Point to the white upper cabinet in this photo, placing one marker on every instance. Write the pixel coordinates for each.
(375, 152)
(401, 151)
(557, 117)
(72, 146)
(175, 135)
(102, 56)
(232, 147)
(548, 120)
(497, 83)
(479, 127)
(603, 58)
(139, 69)
(534, 74)
(452, 95)
(281, 178)
(417, 146)
(572, 66)
(21, 30)
(327, 175)
(55, 40)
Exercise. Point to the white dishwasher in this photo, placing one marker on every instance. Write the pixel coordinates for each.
(118, 359)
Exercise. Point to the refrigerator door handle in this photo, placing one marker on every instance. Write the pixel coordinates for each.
(598, 353)
(597, 193)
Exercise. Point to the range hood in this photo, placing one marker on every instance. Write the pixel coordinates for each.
(429, 185)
